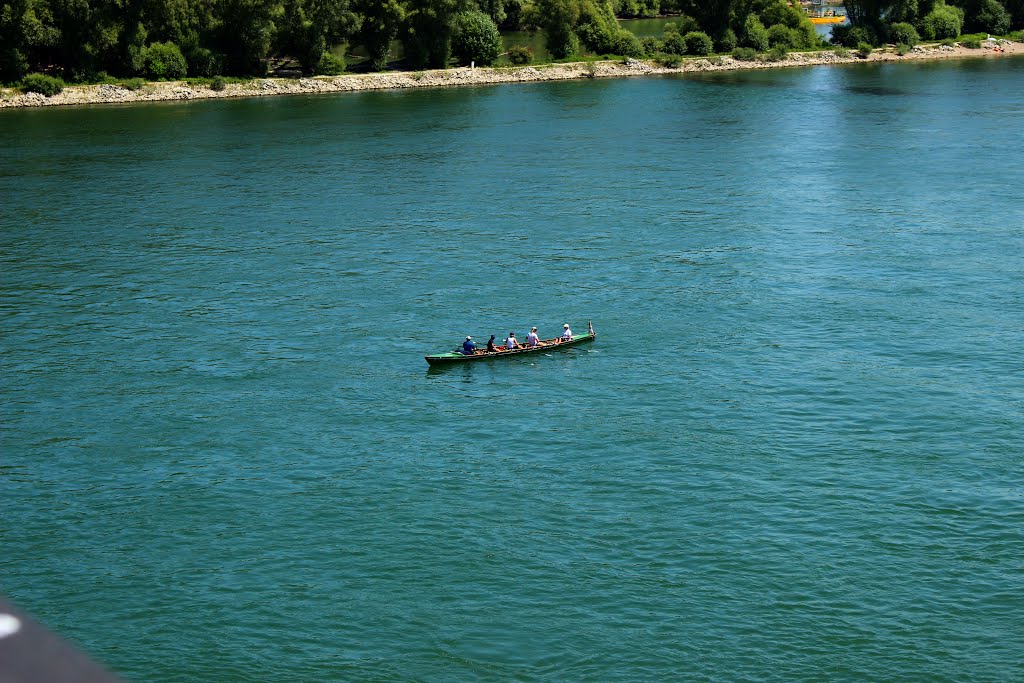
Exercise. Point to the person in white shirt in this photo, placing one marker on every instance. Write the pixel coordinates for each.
(532, 340)
(511, 342)
(567, 333)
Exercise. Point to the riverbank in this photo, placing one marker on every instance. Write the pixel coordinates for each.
(153, 92)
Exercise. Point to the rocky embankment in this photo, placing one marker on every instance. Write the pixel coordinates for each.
(152, 92)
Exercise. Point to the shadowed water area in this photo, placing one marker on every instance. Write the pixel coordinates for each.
(792, 454)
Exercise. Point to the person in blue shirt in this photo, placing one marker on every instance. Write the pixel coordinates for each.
(468, 347)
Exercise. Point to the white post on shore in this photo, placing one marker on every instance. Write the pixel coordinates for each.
(472, 64)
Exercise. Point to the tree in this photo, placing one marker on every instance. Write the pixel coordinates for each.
(475, 38)
(164, 61)
(712, 15)
(902, 33)
(698, 43)
(22, 35)
(381, 20)
(495, 9)
(428, 31)
(558, 19)
(990, 17)
(943, 22)
(755, 35)
(309, 27)
(245, 31)
(597, 26)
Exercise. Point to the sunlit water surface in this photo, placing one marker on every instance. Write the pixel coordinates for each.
(793, 454)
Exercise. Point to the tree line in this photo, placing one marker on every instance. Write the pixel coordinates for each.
(82, 40)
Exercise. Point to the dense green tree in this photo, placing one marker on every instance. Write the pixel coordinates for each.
(637, 8)
(495, 9)
(868, 12)
(713, 16)
(902, 33)
(598, 28)
(1015, 8)
(780, 34)
(628, 45)
(903, 11)
(23, 36)
(988, 16)
(307, 28)
(164, 61)
(557, 19)
(673, 44)
(427, 37)
(945, 21)
(244, 32)
(698, 43)
(755, 35)
(475, 39)
(381, 20)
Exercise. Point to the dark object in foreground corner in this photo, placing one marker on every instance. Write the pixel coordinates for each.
(31, 654)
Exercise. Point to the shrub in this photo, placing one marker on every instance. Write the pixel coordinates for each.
(42, 84)
(652, 45)
(204, 62)
(562, 44)
(902, 49)
(904, 34)
(686, 25)
(992, 17)
(475, 38)
(755, 35)
(668, 61)
(520, 55)
(851, 36)
(744, 54)
(726, 41)
(218, 83)
(628, 45)
(330, 65)
(864, 50)
(133, 84)
(674, 44)
(776, 54)
(698, 43)
(943, 22)
(780, 34)
(13, 64)
(841, 52)
(971, 43)
(164, 61)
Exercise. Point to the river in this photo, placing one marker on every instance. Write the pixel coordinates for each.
(792, 454)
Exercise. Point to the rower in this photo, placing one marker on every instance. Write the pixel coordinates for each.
(468, 347)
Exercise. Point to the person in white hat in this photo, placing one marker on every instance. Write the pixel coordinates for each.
(566, 333)
(532, 340)
(468, 347)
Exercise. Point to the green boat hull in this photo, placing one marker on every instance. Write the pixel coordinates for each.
(453, 357)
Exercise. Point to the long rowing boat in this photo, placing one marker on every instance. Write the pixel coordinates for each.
(556, 344)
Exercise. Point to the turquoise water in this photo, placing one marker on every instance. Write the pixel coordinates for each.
(793, 453)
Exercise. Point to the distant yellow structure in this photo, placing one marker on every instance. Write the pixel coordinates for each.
(829, 19)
